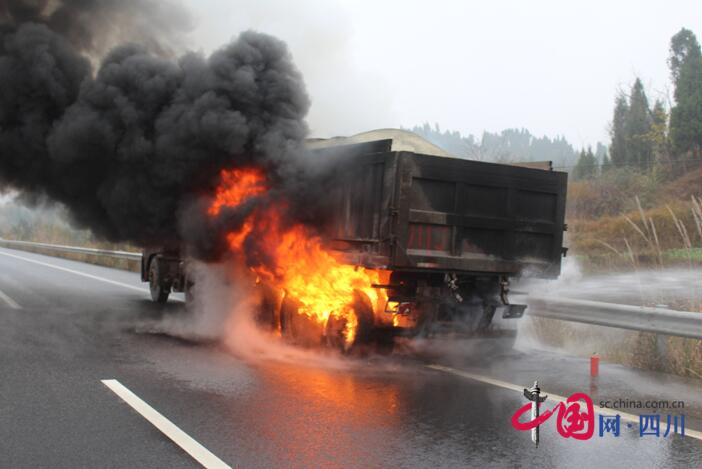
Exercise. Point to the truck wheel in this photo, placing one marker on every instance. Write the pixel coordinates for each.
(297, 327)
(486, 318)
(336, 327)
(159, 291)
(270, 302)
(189, 296)
(288, 309)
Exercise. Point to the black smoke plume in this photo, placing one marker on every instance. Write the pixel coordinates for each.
(134, 149)
(94, 26)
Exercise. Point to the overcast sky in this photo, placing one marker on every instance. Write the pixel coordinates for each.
(552, 67)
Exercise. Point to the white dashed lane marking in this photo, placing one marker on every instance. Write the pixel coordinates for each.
(168, 428)
(9, 301)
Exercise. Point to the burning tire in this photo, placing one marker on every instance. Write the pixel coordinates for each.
(159, 291)
(348, 332)
(270, 303)
(297, 327)
(342, 333)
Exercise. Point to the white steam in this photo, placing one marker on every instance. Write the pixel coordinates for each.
(224, 307)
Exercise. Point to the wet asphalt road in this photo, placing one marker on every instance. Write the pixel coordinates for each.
(61, 333)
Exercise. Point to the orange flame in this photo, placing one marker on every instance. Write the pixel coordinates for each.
(237, 186)
(298, 265)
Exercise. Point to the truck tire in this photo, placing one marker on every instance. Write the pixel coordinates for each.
(189, 298)
(159, 291)
(288, 309)
(486, 319)
(363, 310)
(270, 304)
(189, 295)
(298, 328)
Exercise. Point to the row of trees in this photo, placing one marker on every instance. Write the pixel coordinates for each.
(588, 165)
(638, 131)
(644, 135)
(507, 146)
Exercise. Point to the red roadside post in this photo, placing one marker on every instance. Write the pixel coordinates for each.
(594, 365)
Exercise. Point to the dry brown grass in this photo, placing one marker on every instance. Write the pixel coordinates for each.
(649, 233)
(611, 194)
(624, 214)
(682, 188)
(667, 354)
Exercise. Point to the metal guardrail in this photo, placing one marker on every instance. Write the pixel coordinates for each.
(134, 256)
(636, 318)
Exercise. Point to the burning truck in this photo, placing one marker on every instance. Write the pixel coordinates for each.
(344, 242)
(416, 242)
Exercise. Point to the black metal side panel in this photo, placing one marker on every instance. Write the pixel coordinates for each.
(479, 217)
(364, 220)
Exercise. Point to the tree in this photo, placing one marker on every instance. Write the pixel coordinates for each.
(631, 129)
(658, 135)
(618, 132)
(601, 157)
(686, 116)
(683, 46)
(638, 127)
(586, 167)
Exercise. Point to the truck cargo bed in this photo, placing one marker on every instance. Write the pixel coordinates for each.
(407, 211)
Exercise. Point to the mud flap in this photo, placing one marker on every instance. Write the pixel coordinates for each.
(513, 311)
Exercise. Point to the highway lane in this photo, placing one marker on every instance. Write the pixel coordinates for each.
(70, 331)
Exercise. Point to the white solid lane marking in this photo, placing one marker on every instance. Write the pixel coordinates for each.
(513, 387)
(168, 428)
(10, 302)
(82, 274)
